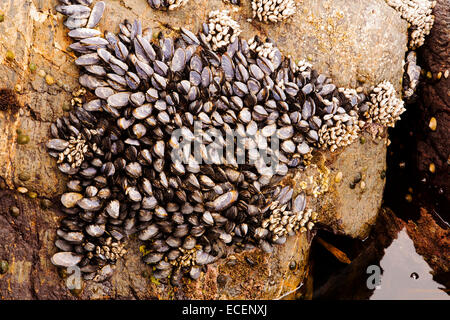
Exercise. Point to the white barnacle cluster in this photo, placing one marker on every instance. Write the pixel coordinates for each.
(303, 65)
(110, 250)
(384, 107)
(74, 153)
(273, 10)
(342, 128)
(418, 13)
(186, 258)
(173, 4)
(283, 222)
(222, 29)
(264, 49)
(77, 101)
(349, 93)
(343, 132)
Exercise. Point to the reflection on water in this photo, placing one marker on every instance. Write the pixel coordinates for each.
(406, 275)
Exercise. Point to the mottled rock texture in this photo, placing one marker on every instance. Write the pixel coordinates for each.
(433, 146)
(357, 44)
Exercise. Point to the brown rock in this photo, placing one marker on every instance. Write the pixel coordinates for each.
(349, 208)
(433, 146)
(26, 242)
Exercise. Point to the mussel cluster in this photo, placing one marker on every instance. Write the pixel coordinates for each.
(79, 14)
(411, 76)
(128, 152)
(167, 4)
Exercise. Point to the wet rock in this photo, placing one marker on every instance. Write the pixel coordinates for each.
(348, 211)
(433, 145)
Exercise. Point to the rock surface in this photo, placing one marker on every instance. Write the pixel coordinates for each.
(357, 45)
(433, 146)
(349, 206)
